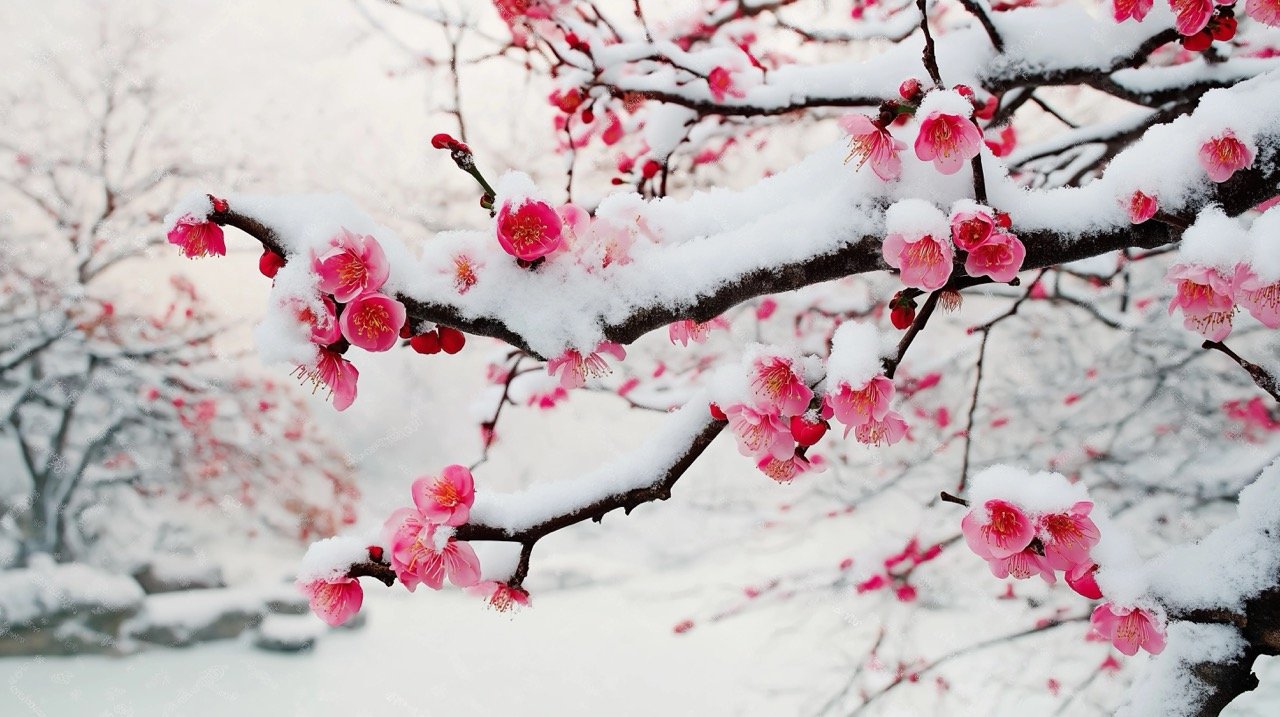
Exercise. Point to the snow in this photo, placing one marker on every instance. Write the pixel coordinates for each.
(1264, 249)
(331, 557)
(1215, 240)
(1169, 686)
(856, 350)
(1041, 492)
(28, 594)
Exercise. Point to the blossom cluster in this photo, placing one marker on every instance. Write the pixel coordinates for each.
(1201, 22)
(921, 243)
(1056, 535)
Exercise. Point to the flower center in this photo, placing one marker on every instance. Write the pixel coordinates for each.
(445, 493)
(351, 270)
(372, 321)
(925, 251)
(526, 231)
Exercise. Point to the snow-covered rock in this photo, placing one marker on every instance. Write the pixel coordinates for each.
(184, 618)
(167, 573)
(50, 609)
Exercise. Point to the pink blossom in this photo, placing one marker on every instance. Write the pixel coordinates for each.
(1141, 207)
(500, 596)
(925, 261)
(1081, 579)
(873, 143)
(971, 229)
(689, 330)
(948, 141)
(784, 470)
(760, 433)
(1122, 10)
(767, 306)
(465, 272)
(1191, 16)
(1266, 12)
(868, 402)
(372, 321)
(445, 499)
(547, 399)
(1205, 297)
(1069, 536)
(1022, 565)
(353, 265)
(425, 553)
(775, 383)
(1260, 298)
(1000, 258)
(720, 82)
(335, 373)
(1222, 155)
(1129, 628)
(575, 369)
(882, 431)
(334, 600)
(529, 230)
(997, 530)
(198, 237)
(324, 328)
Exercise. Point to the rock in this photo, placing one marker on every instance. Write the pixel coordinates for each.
(289, 633)
(52, 609)
(187, 617)
(170, 573)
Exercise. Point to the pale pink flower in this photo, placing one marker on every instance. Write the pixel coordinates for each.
(575, 369)
(1000, 258)
(198, 237)
(1222, 155)
(1069, 536)
(882, 431)
(760, 433)
(353, 265)
(1122, 10)
(997, 530)
(445, 499)
(500, 596)
(925, 260)
(425, 553)
(529, 230)
(1129, 628)
(1141, 207)
(335, 373)
(1266, 12)
(683, 332)
(1206, 298)
(971, 229)
(1260, 298)
(1081, 579)
(1021, 565)
(784, 470)
(872, 143)
(869, 402)
(775, 383)
(1191, 16)
(372, 321)
(334, 600)
(948, 141)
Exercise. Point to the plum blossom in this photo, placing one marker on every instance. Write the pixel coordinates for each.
(683, 332)
(335, 599)
(720, 82)
(882, 431)
(872, 143)
(425, 553)
(445, 499)
(334, 372)
(775, 383)
(529, 230)
(372, 321)
(1141, 207)
(1129, 628)
(1122, 10)
(1264, 11)
(998, 530)
(197, 237)
(1081, 579)
(1190, 16)
(948, 141)
(971, 228)
(1206, 298)
(1222, 155)
(353, 265)
(784, 470)
(869, 402)
(1259, 297)
(1021, 565)
(1000, 257)
(324, 327)
(923, 259)
(465, 272)
(760, 432)
(1068, 536)
(574, 368)
(500, 596)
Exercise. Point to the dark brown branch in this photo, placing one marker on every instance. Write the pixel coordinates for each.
(1260, 376)
(930, 56)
